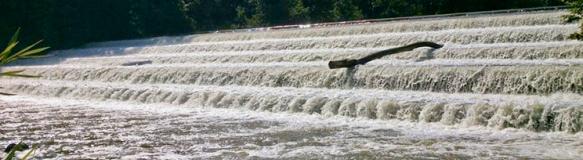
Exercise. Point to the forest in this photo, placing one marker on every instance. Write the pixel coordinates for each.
(71, 23)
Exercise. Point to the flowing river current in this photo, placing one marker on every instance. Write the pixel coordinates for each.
(504, 86)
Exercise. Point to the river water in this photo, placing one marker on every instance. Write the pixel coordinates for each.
(503, 86)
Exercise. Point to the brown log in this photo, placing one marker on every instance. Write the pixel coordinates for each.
(349, 63)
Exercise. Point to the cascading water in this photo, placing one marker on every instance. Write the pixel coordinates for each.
(270, 94)
(543, 18)
(502, 71)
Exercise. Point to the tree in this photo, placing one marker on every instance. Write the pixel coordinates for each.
(71, 23)
(393, 8)
(154, 18)
(346, 10)
(298, 12)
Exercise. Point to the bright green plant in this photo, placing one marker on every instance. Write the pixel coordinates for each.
(11, 54)
(576, 9)
(20, 147)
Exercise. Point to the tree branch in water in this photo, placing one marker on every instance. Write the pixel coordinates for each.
(349, 63)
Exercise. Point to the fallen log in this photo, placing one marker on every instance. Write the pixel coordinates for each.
(349, 63)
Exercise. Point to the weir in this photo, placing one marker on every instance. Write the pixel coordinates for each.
(514, 70)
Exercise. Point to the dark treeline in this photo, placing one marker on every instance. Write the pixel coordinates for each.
(69, 23)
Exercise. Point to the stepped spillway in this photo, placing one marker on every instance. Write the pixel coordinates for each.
(502, 56)
(516, 71)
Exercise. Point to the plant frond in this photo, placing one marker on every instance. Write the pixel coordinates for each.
(17, 74)
(39, 56)
(31, 152)
(27, 53)
(15, 36)
(570, 18)
(7, 52)
(28, 48)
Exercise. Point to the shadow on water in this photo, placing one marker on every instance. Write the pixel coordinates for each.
(349, 77)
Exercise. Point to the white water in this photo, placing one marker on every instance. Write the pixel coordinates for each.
(159, 131)
(515, 71)
(475, 109)
(534, 51)
(541, 18)
(525, 77)
(460, 36)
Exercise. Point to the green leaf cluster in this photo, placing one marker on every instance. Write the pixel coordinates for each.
(11, 54)
(576, 9)
(20, 147)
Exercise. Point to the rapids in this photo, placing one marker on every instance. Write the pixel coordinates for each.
(506, 70)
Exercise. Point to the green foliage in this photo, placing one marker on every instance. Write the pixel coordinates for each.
(20, 147)
(576, 9)
(346, 10)
(9, 54)
(298, 12)
(70, 23)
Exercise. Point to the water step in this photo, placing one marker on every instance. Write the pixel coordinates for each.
(530, 19)
(538, 51)
(146, 63)
(507, 70)
(450, 77)
(544, 33)
(559, 112)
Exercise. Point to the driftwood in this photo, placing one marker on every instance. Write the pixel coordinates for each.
(349, 63)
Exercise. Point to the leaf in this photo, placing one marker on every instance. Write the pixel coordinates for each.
(6, 53)
(40, 56)
(31, 152)
(20, 147)
(13, 72)
(12, 153)
(25, 54)
(16, 74)
(7, 56)
(21, 75)
(570, 18)
(27, 48)
(15, 36)
(34, 52)
(11, 44)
